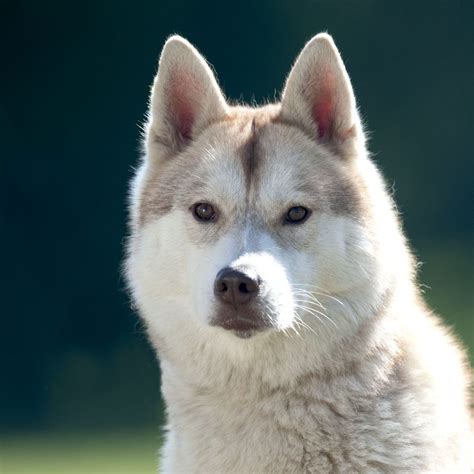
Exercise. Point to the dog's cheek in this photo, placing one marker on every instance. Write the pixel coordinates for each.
(199, 281)
(345, 254)
(159, 266)
(157, 261)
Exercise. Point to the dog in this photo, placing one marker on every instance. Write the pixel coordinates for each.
(267, 260)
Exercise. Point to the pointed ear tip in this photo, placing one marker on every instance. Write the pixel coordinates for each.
(176, 43)
(324, 37)
(322, 41)
(176, 39)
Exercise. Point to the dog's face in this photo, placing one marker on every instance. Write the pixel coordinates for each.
(249, 221)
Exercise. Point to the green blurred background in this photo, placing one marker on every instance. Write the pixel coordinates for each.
(79, 385)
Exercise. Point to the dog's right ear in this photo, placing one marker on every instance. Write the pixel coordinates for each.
(185, 96)
(318, 97)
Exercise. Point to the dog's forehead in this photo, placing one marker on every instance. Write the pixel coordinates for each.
(262, 164)
(251, 162)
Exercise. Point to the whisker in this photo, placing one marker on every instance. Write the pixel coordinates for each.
(295, 330)
(315, 313)
(309, 302)
(311, 296)
(310, 311)
(299, 321)
(319, 293)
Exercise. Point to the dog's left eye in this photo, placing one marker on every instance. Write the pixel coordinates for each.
(297, 215)
(204, 212)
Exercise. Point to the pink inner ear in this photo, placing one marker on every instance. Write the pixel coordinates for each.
(184, 117)
(184, 100)
(323, 115)
(323, 97)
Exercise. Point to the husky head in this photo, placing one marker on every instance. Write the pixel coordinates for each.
(254, 223)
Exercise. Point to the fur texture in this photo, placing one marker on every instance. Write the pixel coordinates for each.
(354, 373)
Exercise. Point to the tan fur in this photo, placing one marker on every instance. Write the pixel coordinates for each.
(362, 377)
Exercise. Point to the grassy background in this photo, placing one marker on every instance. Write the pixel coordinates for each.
(126, 452)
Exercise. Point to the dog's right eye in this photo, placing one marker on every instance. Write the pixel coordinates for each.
(297, 215)
(204, 212)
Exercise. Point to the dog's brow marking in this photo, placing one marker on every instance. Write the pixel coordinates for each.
(249, 156)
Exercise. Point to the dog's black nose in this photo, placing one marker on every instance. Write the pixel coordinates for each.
(234, 287)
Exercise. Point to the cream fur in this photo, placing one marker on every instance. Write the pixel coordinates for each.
(369, 380)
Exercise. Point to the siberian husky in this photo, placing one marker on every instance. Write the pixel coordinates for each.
(268, 262)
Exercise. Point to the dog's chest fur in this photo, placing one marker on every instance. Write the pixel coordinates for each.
(307, 429)
(375, 412)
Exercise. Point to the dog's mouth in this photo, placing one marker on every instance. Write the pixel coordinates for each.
(239, 324)
(242, 326)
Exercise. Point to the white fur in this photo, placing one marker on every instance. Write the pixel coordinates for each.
(365, 382)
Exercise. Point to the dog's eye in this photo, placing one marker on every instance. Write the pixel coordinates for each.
(204, 212)
(297, 215)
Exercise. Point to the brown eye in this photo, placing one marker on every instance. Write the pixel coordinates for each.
(204, 212)
(297, 215)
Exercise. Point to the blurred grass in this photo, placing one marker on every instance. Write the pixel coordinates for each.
(81, 453)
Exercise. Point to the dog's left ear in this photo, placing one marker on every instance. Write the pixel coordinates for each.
(318, 97)
(185, 96)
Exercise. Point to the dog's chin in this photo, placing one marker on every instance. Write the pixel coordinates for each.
(245, 334)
